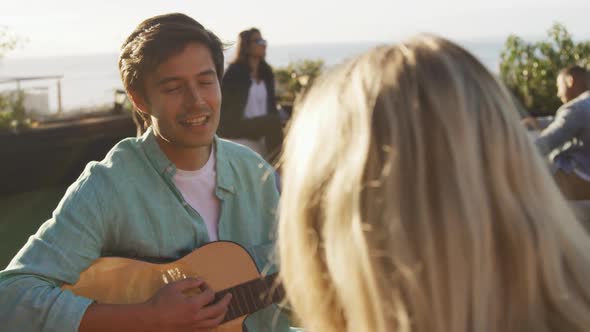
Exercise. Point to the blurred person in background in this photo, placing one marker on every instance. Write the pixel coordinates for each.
(566, 137)
(249, 113)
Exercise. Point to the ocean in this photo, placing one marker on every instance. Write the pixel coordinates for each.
(91, 80)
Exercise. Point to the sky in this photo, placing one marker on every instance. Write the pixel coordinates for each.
(63, 27)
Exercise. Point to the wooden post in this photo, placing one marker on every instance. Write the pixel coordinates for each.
(59, 106)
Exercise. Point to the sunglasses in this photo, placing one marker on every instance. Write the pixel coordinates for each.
(259, 41)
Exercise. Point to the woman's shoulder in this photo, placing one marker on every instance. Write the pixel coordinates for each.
(236, 73)
(235, 68)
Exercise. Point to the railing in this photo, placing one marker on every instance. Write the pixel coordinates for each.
(19, 88)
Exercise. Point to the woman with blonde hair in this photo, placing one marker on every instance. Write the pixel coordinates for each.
(414, 201)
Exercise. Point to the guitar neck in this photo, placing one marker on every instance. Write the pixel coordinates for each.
(251, 296)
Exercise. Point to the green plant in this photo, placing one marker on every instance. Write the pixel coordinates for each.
(8, 41)
(17, 104)
(530, 69)
(13, 114)
(296, 77)
(6, 119)
(11, 109)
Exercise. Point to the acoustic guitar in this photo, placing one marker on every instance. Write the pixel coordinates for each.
(225, 266)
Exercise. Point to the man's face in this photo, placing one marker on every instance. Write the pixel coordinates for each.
(183, 98)
(562, 88)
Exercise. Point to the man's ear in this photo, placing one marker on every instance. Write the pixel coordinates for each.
(139, 102)
(569, 81)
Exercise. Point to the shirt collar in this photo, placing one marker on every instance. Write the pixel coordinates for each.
(156, 156)
(583, 95)
(225, 177)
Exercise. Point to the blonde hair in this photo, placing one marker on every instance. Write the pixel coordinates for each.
(414, 201)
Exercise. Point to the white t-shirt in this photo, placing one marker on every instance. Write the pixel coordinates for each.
(198, 189)
(256, 105)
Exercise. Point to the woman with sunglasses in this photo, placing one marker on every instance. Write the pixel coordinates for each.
(248, 111)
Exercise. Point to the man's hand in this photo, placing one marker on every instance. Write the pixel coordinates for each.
(174, 310)
(179, 306)
(530, 123)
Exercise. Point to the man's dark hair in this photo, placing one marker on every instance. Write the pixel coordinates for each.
(578, 73)
(155, 40)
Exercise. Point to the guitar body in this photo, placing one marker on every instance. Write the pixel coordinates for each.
(112, 280)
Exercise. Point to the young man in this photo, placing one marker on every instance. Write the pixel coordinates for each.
(569, 134)
(158, 196)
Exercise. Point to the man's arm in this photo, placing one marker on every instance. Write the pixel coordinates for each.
(31, 298)
(565, 126)
(544, 121)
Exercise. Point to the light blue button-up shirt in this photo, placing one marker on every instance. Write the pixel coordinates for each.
(127, 205)
(569, 132)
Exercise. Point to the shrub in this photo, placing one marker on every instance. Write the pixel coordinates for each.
(294, 78)
(530, 69)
